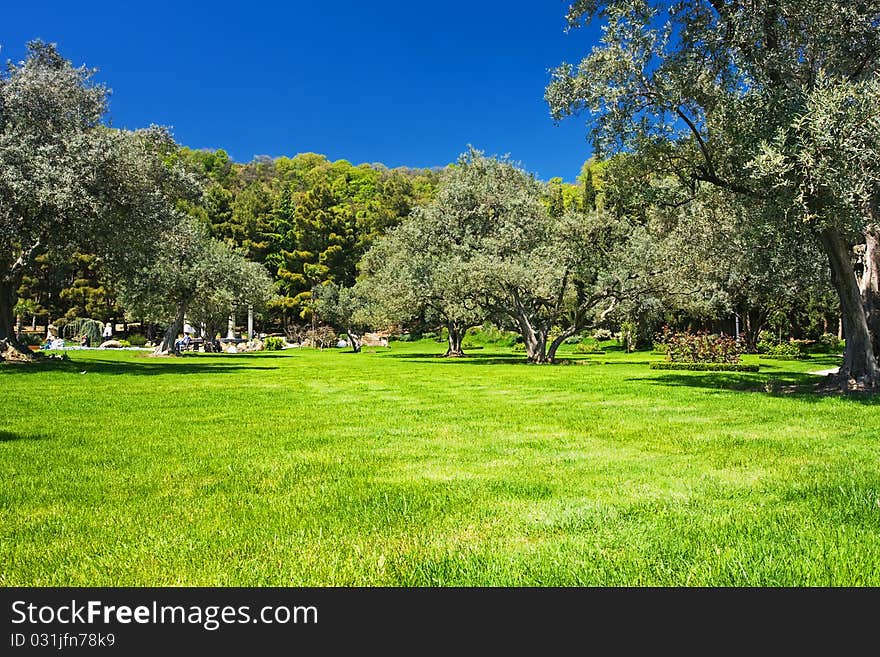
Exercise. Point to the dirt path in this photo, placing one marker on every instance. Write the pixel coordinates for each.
(833, 370)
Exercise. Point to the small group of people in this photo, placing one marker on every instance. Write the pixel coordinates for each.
(185, 341)
(214, 345)
(182, 343)
(85, 340)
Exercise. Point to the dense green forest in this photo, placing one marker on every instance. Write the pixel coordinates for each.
(305, 219)
(309, 221)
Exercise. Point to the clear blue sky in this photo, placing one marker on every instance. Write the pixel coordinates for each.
(397, 82)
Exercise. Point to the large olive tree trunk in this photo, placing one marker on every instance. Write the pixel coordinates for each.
(536, 347)
(355, 340)
(755, 319)
(533, 331)
(9, 343)
(870, 284)
(8, 299)
(558, 340)
(534, 339)
(173, 331)
(859, 361)
(455, 337)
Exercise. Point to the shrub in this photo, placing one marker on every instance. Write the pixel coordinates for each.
(470, 344)
(137, 340)
(829, 343)
(321, 337)
(705, 367)
(75, 328)
(768, 343)
(786, 356)
(783, 351)
(603, 334)
(588, 346)
(700, 347)
(30, 339)
(273, 343)
(768, 336)
(489, 334)
(124, 343)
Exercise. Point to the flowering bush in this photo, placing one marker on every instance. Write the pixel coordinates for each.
(701, 347)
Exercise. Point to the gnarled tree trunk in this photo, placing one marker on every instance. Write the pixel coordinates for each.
(755, 320)
(208, 334)
(355, 341)
(455, 338)
(534, 333)
(8, 299)
(534, 340)
(171, 334)
(557, 342)
(536, 348)
(9, 343)
(859, 367)
(870, 283)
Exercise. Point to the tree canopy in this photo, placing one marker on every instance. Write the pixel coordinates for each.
(70, 183)
(774, 101)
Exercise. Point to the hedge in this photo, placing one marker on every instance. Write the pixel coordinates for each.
(706, 367)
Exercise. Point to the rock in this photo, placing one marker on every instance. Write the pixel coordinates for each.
(111, 344)
(9, 353)
(379, 339)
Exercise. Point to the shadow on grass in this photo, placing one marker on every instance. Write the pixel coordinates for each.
(8, 437)
(468, 359)
(496, 358)
(144, 366)
(793, 385)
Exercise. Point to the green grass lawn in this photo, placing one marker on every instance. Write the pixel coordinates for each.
(307, 468)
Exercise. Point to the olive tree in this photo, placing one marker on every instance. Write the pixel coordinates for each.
(413, 272)
(233, 284)
(192, 275)
(349, 309)
(772, 100)
(488, 246)
(69, 182)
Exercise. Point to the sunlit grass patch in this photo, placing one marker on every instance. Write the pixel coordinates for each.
(400, 468)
